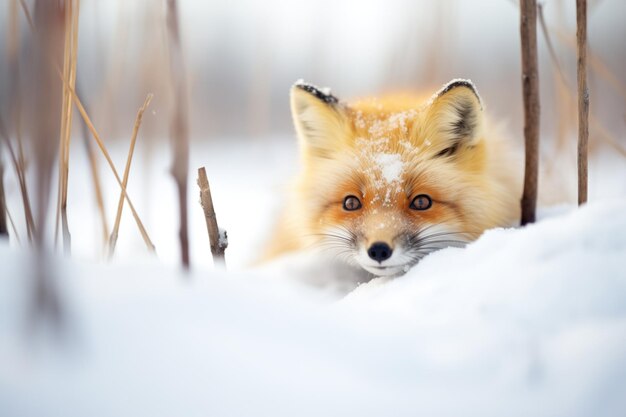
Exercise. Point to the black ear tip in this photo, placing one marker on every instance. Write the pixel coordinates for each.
(322, 94)
(459, 82)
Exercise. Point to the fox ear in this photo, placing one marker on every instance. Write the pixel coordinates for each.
(455, 117)
(321, 120)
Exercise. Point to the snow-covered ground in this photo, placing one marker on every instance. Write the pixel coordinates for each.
(522, 322)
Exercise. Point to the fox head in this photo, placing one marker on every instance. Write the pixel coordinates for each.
(385, 182)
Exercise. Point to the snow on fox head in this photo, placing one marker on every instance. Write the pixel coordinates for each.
(387, 181)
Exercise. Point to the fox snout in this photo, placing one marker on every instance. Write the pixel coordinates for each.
(380, 251)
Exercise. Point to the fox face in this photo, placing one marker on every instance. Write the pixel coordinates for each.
(384, 182)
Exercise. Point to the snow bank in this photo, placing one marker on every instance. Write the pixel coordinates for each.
(521, 322)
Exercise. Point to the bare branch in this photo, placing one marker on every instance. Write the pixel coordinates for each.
(583, 99)
(530, 86)
(179, 127)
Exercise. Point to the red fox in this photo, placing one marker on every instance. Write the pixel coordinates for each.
(386, 181)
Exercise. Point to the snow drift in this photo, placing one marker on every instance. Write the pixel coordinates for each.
(522, 322)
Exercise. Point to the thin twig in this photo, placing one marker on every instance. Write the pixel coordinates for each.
(95, 176)
(218, 242)
(179, 127)
(129, 159)
(583, 99)
(530, 85)
(563, 92)
(548, 39)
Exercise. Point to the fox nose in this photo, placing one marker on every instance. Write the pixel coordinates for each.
(379, 251)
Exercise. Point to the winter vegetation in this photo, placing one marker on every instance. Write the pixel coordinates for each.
(146, 154)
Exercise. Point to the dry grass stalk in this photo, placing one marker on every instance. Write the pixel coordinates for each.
(95, 177)
(604, 133)
(530, 87)
(549, 44)
(563, 93)
(179, 127)
(583, 99)
(94, 132)
(69, 73)
(218, 243)
(129, 159)
(21, 178)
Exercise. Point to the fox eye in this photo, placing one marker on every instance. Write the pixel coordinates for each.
(351, 203)
(421, 202)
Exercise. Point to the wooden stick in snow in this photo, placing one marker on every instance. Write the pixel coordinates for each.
(530, 87)
(583, 99)
(218, 240)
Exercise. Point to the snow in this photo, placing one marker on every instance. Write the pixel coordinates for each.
(521, 322)
(390, 165)
(223, 239)
(447, 86)
(381, 128)
(324, 90)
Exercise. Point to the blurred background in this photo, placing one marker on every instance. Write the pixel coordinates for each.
(241, 57)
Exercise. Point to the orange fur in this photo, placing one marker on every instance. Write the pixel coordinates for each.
(385, 152)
